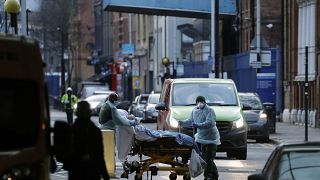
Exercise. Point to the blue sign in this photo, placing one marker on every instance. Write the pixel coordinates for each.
(179, 8)
(266, 87)
(127, 49)
(210, 60)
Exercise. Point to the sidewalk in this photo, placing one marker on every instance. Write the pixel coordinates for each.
(289, 133)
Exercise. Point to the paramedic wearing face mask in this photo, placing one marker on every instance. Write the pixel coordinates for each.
(203, 119)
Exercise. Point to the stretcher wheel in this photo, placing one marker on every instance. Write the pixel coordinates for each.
(173, 176)
(136, 177)
(186, 177)
(124, 175)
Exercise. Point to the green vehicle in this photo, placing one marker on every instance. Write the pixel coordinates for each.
(178, 99)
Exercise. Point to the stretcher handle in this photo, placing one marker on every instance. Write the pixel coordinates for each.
(193, 132)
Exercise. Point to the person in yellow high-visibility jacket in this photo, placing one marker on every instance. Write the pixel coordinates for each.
(69, 100)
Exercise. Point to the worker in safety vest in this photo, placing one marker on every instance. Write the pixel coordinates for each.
(69, 100)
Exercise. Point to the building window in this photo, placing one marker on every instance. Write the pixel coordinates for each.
(306, 37)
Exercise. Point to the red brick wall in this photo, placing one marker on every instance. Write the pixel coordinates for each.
(270, 14)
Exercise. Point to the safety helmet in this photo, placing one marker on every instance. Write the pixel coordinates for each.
(69, 89)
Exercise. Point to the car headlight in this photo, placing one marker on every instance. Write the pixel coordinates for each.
(173, 122)
(263, 116)
(238, 123)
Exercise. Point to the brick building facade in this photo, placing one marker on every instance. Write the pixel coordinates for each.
(81, 34)
(270, 23)
(302, 29)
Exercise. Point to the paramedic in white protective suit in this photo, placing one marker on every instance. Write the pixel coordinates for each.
(110, 118)
(203, 118)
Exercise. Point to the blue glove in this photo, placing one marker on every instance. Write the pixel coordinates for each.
(195, 125)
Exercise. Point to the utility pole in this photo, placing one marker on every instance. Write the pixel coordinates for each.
(306, 103)
(215, 35)
(258, 33)
(6, 22)
(62, 62)
(23, 17)
(130, 28)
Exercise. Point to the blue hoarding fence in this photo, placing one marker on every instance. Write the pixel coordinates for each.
(196, 69)
(53, 82)
(248, 80)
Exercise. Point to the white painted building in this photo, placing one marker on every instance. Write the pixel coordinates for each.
(167, 43)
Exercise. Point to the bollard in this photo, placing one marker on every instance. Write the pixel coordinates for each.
(109, 152)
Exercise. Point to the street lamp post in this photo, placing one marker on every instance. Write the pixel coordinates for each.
(62, 62)
(27, 20)
(12, 7)
(5, 23)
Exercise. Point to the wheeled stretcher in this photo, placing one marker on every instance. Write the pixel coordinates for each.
(164, 150)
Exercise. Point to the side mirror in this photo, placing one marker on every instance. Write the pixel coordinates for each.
(246, 107)
(256, 177)
(269, 106)
(161, 106)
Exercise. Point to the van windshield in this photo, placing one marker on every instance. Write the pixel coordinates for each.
(19, 112)
(185, 94)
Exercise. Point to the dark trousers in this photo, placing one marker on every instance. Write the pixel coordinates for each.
(208, 153)
(69, 116)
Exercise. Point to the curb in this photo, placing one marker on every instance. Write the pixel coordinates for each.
(275, 141)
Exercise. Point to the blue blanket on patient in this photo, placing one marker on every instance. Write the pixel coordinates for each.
(180, 138)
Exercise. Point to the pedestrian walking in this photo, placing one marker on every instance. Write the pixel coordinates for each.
(69, 100)
(203, 119)
(87, 160)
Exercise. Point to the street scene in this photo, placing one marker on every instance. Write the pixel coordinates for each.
(148, 89)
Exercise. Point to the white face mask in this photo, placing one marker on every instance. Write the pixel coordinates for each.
(200, 105)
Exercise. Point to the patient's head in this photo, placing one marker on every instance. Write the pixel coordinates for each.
(131, 117)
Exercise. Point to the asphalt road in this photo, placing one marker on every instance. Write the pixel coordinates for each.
(229, 169)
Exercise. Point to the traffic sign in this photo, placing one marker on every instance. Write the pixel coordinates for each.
(256, 64)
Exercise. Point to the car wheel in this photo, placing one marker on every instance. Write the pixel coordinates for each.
(231, 154)
(241, 154)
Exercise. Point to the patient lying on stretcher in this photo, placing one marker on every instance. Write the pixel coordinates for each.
(143, 133)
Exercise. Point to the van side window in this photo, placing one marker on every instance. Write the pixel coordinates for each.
(167, 94)
(163, 93)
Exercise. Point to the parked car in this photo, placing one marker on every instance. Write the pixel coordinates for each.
(255, 116)
(150, 112)
(178, 99)
(121, 105)
(292, 161)
(103, 92)
(94, 101)
(133, 105)
(89, 88)
(138, 107)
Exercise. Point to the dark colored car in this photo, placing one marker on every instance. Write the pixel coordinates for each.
(255, 116)
(292, 161)
(150, 112)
